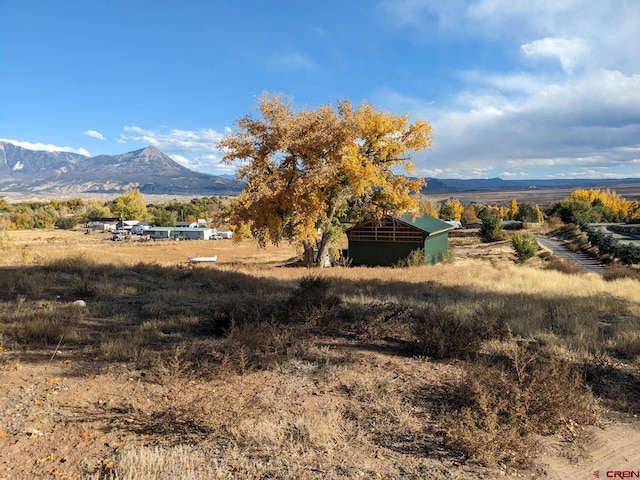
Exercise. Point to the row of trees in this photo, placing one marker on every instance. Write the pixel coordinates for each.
(67, 214)
(474, 213)
(595, 205)
(626, 253)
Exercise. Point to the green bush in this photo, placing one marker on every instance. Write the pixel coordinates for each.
(415, 259)
(448, 256)
(524, 245)
(67, 223)
(491, 229)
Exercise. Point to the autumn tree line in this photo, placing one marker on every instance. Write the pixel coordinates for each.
(72, 213)
(582, 206)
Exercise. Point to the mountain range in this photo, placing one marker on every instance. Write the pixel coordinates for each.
(457, 185)
(61, 174)
(40, 174)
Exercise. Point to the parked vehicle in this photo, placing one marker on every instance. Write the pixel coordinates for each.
(118, 237)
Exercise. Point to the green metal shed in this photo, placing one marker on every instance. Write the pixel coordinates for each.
(386, 241)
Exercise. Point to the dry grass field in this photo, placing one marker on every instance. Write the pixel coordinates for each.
(119, 360)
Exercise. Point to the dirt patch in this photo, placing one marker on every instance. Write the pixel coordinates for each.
(612, 447)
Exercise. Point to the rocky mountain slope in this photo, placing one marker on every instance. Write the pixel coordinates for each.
(40, 173)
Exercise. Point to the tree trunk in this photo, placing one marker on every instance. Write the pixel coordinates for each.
(323, 246)
(323, 250)
(308, 253)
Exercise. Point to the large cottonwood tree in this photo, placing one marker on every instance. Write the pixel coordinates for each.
(302, 166)
(130, 205)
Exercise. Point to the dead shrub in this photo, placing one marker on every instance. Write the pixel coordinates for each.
(41, 324)
(311, 301)
(379, 322)
(628, 346)
(76, 264)
(617, 271)
(615, 386)
(561, 265)
(440, 333)
(503, 402)
(625, 342)
(263, 344)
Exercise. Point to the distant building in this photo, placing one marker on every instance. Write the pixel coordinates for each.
(454, 223)
(125, 225)
(103, 223)
(184, 233)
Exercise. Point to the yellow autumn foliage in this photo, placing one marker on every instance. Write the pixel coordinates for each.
(301, 166)
(607, 198)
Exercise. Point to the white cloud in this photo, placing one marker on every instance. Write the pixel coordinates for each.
(568, 52)
(94, 134)
(194, 149)
(175, 140)
(182, 160)
(204, 163)
(609, 29)
(584, 118)
(593, 121)
(46, 147)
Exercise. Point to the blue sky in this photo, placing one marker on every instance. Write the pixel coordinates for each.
(516, 89)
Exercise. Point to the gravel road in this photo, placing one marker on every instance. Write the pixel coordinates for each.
(560, 249)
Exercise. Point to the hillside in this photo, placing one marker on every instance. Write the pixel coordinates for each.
(58, 174)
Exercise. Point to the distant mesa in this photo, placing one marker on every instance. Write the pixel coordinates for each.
(454, 185)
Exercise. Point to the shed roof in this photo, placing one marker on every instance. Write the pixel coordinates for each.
(426, 223)
(398, 229)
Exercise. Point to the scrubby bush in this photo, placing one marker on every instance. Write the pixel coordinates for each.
(491, 229)
(562, 265)
(524, 245)
(67, 223)
(415, 259)
(442, 333)
(615, 272)
(503, 402)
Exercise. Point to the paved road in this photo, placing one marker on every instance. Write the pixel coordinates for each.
(560, 250)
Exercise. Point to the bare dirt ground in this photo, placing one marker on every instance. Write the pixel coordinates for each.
(65, 413)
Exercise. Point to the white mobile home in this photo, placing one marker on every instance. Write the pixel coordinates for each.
(194, 233)
(226, 234)
(184, 233)
(160, 233)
